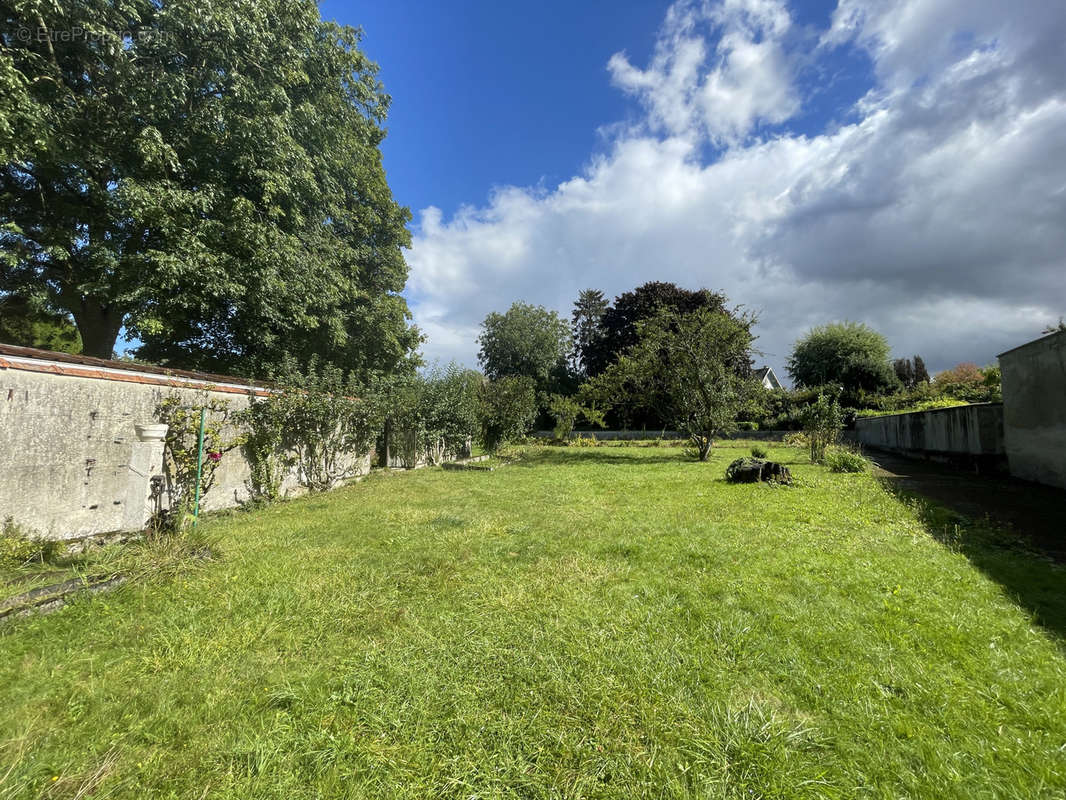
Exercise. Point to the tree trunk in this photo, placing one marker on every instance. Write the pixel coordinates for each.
(703, 445)
(98, 326)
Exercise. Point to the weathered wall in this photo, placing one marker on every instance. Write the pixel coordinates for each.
(647, 435)
(1034, 396)
(71, 461)
(969, 436)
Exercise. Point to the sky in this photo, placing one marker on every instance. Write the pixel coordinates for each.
(896, 162)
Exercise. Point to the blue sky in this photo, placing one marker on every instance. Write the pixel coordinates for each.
(489, 93)
(897, 162)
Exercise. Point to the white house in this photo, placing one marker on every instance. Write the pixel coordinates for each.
(767, 377)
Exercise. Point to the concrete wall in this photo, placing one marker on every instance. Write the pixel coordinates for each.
(646, 435)
(71, 461)
(1034, 396)
(968, 436)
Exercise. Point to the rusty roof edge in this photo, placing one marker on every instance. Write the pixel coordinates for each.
(34, 354)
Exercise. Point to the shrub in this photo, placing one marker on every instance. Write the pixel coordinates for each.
(748, 426)
(507, 407)
(759, 451)
(841, 459)
(822, 422)
(566, 411)
(796, 439)
(18, 547)
(432, 416)
(584, 441)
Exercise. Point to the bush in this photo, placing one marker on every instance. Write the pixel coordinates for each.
(841, 459)
(584, 441)
(748, 426)
(822, 422)
(796, 439)
(758, 451)
(507, 408)
(18, 547)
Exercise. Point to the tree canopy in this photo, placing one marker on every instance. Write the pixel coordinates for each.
(696, 368)
(528, 341)
(206, 177)
(621, 319)
(847, 354)
(26, 324)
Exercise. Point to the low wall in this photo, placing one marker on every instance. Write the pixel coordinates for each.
(1034, 398)
(967, 436)
(611, 436)
(72, 462)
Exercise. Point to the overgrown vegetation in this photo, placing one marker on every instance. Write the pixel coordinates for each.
(823, 421)
(19, 547)
(182, 462)
(507, 408)
(321, 420)
(434, 415)
(843, 459)
(608, 622)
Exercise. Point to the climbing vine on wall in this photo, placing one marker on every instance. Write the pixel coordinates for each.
(181, 449)
(321, 420)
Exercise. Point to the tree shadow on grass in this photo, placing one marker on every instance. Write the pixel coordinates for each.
(1031, 578)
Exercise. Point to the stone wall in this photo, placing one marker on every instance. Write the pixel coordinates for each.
(1034, 396)
(967, 436)
(72, 460)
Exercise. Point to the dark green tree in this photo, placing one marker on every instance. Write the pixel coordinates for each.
(206, 176)
(620, 321)
(528, 341)
(904, 369)
(850, 355)
(587, 324)
(25, 323)
(921, 374)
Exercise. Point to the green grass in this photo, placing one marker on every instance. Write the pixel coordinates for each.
(585, 622)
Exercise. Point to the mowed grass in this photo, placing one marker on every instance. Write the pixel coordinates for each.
(586, 622)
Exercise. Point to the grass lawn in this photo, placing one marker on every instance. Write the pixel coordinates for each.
(586, 622)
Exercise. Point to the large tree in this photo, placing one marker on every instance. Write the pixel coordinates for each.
(528, 341)
(621, 320)
(587, 323)
(206, 176)
(695, 367)
(850, 355)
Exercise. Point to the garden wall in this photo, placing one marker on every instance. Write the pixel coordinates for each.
(72, 459)
(967, 436)
(1034, 398)
(610, 436)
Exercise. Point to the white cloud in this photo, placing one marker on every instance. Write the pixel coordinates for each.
(749, 79)
(938, 214)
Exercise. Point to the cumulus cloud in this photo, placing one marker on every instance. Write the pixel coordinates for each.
(723, 92)
(937, 213)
